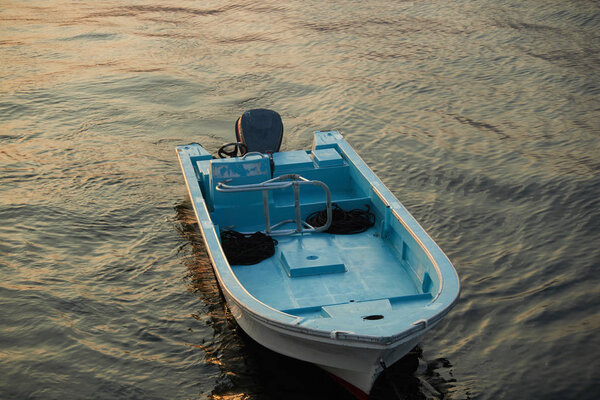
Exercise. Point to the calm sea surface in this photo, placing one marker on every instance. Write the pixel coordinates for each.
(483, 117)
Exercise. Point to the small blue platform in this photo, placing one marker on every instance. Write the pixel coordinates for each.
(292, 161)
(327, 158)
(304, 263)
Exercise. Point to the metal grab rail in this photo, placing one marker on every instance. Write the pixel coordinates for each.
(282, 182)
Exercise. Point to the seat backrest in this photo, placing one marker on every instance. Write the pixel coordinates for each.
(260, 130)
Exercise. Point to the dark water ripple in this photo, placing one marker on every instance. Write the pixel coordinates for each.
(483, 117)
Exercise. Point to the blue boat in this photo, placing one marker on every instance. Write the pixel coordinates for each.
(316, 258)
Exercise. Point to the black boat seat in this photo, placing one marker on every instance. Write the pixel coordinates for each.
(260, 130)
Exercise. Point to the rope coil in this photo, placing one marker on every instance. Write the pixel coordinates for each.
(241, 249)
(344, 222)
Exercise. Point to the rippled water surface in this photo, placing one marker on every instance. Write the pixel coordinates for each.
(483, 117)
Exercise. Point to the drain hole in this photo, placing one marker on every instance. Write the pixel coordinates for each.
(373, 317)
(312, 257)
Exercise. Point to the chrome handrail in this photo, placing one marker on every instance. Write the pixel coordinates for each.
(282, 182)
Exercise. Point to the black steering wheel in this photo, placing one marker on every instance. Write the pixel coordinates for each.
(232, 150)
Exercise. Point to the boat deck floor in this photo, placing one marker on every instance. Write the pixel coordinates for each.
(310, 271)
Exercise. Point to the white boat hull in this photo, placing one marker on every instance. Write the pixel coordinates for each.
(358, 364)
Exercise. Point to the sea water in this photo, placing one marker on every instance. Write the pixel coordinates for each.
(482, 117)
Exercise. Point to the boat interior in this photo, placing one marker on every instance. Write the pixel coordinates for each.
(316, 274)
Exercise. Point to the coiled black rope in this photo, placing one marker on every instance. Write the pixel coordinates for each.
(343, 222)
(241, 249)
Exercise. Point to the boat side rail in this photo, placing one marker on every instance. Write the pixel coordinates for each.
(283, 182)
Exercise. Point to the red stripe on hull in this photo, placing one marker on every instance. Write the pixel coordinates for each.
(356, 392)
